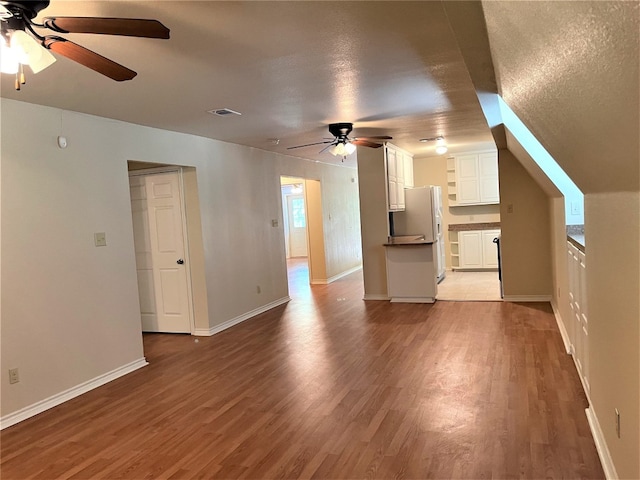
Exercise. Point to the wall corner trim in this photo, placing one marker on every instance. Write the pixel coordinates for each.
(601, 446)
(561, 327)
(59, 398)
(207, 332)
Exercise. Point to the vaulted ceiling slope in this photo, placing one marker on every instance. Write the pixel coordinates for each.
(390, 67)
(569, 70)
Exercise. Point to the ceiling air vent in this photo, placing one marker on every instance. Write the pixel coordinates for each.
(223, 112)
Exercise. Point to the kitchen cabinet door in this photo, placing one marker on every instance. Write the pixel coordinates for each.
(578, 303)
(467, 179)
(488, 178)
(475, 250)
(470, 244)
(394, 158)
(399, 155)
(392, 177)
(408, 170)
(489, 249)
(476, 179)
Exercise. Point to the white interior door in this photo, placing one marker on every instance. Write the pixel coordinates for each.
(164, 282)
(142, 243)
(297, 221)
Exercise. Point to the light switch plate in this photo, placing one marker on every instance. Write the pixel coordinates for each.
(100, 239)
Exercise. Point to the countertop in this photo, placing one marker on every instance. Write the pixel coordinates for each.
(577, 240)
(575, 234)
(462, 227)
(403, 240)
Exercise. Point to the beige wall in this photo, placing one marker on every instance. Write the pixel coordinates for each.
(196, 248)
(70, 310)
(317, 259)
(433, 171)
(526, 232)
(612, 236)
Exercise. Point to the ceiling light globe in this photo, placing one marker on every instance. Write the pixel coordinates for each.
(339, 149)
(8, 59)
(441, 149)
(350, 148)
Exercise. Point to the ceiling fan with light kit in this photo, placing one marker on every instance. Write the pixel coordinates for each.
(342, 144)
(21, 44)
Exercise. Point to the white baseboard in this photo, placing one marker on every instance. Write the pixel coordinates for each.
(413, 300)
(527, 298)
(368, 296)
(563, 331)
(58, 398)
(601, 446)
(329, 280)
(207, 332)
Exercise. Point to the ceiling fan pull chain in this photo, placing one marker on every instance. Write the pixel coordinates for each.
(23, 79)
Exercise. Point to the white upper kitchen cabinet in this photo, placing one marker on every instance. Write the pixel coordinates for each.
(476, 179)
(399, 165)
(408, 169)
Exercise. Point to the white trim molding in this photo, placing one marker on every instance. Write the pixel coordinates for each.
(601, 446)
(336, 277)
(207, 332)
(373, 296)
(413, 300)
(59, 398)
(527, 298)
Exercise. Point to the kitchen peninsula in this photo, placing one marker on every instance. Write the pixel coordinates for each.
(411, 269)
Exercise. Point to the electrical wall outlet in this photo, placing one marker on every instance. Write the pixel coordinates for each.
(14, 375)
(510, 208)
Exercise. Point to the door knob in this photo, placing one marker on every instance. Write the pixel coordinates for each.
(180, 261)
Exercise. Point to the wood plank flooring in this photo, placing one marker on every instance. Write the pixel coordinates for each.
(330, 387)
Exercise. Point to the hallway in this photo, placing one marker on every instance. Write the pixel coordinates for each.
(330, 386)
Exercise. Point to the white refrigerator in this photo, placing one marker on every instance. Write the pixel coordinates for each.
(423, 216)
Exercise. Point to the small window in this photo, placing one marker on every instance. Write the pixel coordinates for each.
(297, 210)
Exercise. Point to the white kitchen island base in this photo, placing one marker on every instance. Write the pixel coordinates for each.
(411, 273)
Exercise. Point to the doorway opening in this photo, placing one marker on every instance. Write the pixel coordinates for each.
(475, 274)
(168, 247)
(303, 233)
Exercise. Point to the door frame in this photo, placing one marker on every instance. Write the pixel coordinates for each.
(316, 256)
(185, 236)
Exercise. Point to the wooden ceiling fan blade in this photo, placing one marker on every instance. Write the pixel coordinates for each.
(132, 27)
(310, 144)
(365, 143)
(89, 59)
(374, 137)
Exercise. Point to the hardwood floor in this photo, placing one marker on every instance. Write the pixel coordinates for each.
(330, 386)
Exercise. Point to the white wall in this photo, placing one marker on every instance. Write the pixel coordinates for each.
(70, 310)
(612, 237)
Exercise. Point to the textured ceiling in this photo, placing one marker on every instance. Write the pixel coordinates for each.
(569, 70)
(391, 68)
